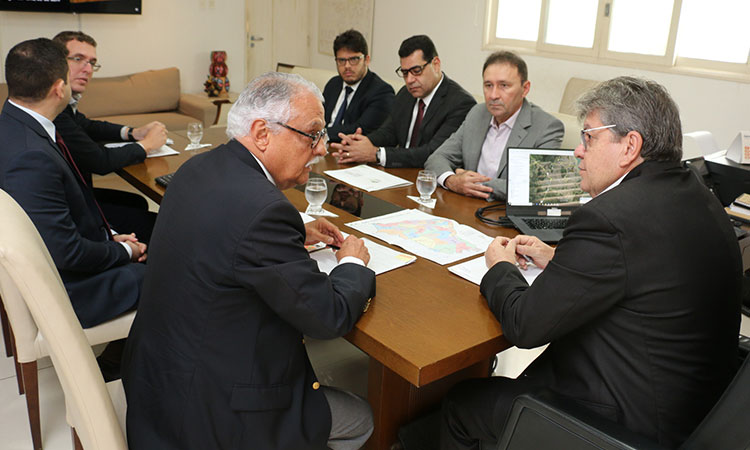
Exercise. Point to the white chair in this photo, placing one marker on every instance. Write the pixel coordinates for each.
(43, 323)
(572, 136)
(698, 143)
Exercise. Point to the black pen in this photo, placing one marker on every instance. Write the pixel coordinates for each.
(334, 247)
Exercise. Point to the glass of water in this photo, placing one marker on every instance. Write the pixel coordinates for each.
(426, 184)
(195, 134)
(316, 192)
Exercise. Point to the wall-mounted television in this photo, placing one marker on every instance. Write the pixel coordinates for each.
(73, 6)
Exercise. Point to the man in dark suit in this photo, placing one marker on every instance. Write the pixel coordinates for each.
(640, 301)
(473, 160)
(427, 110)
(216, 356)
(98, 269)
(357, 97)
(124, 210)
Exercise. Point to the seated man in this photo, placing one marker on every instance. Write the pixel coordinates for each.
(427, 110)
(357, 97)
(216, 356)
(640, 301)
(473, 160)
(124, 210)
(98, 269)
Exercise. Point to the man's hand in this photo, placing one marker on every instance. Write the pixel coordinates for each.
(500, 249)
(138, 248)
(539, 252)
(353, 246)
(322, 230)
(141, 132)
(467, 182)
(354, 148)
(155, 136)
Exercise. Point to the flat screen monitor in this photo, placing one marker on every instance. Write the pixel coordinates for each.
(74, 6)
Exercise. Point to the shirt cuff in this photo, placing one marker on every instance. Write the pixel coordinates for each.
(381, 156)
(128, 249)
(124, 133)
(351, 259)
(441, 179)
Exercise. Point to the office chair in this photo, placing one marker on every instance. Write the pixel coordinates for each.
(545, 421)
(43, 323)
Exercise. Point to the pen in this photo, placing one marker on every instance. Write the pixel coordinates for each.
(334, 247)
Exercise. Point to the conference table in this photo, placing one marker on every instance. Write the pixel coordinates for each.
(426, 329)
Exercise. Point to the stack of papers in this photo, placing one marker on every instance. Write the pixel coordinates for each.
(367, 178)
(474, 270)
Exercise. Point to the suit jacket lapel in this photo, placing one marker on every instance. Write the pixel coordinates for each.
(435, 104)
(517, 135)
(476, 138)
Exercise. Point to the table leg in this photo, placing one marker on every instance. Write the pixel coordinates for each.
(396, 402)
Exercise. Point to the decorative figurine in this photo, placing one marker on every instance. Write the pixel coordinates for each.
(217, 84)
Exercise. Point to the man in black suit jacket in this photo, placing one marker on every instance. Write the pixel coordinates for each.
(408, 137)
(357, 97)
(640, 301)
(97, 268)
(216, 356)
(124, 210)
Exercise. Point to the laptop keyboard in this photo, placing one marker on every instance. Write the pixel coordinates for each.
(546, 223)
(164, 179)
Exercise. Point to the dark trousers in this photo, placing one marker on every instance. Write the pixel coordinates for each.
(474, 411)
(126, 212)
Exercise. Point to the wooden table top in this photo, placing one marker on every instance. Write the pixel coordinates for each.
(425, 322)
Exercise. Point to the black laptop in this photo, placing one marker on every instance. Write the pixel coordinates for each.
(544, 188)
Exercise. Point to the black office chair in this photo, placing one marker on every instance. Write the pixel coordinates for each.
(546, 421)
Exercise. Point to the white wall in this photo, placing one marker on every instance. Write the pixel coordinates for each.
(456, 27)
(180, 33)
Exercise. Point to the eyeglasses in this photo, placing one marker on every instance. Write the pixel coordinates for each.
(586, 137)
(353, 61)
(315, 137)
(416, 70)
(83, 61)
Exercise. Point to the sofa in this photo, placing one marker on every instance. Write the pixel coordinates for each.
(142, 97)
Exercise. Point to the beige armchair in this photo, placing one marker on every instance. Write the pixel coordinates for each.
(43, 323)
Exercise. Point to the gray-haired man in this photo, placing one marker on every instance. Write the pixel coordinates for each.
(216, 357)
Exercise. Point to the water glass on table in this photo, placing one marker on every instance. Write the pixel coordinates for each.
(426, 184)
(195, 134)
(316, 192)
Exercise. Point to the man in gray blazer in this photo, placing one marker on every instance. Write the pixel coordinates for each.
(472, 161)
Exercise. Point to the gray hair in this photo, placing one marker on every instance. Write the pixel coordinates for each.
(636, 104)
(268, 97)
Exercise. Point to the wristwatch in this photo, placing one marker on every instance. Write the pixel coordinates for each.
(377, 156)
(130, 135)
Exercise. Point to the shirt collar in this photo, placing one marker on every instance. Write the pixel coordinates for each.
(47, 124)
(616, 183)
(268, 175)
(510, 123)
(428, 98)
(353, 86)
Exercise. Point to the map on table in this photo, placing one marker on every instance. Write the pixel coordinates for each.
(435, 238)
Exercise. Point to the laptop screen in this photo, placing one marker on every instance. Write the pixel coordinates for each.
(544, 177)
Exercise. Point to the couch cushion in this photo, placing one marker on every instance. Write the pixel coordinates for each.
(143, 92)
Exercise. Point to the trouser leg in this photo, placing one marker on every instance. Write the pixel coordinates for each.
(351, 419)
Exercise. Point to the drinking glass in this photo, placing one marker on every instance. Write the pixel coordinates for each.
(316, 192)
(426, 184)
(195, 134)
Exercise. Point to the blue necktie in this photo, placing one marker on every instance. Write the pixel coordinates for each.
(342, 110)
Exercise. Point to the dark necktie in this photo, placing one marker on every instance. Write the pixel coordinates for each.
(340, 116)
(69, 158)
(415, 131)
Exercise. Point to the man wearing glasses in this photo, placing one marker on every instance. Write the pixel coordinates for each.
(357, 97)
(216, 356)
(427, 110)
(123, 209)
(639, 302)
(473, 160)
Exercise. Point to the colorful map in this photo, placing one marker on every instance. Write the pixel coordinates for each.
(435, 238)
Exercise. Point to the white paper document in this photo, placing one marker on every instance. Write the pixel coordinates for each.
(435, 238)
(382, 258)
(474, 269)
(367, 178)
(165, 150)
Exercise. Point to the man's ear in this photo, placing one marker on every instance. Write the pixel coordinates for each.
(57, 89)
(260, 134)
(633, 145)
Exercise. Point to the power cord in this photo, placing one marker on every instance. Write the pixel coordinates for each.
(481, 214)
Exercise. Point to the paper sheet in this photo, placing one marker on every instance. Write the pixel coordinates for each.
(382, 258)
(474, 269)
(165, 150)
(367, 178)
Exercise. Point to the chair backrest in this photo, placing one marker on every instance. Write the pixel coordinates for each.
(28, 272)
(572, 136)
(573, 89)
(726, 425)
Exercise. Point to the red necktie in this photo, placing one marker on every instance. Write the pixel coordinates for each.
(69, 158)
(417, 123)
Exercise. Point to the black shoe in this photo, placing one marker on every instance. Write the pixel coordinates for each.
(110, 370)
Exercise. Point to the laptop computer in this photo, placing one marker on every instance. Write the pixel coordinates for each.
(544, 188)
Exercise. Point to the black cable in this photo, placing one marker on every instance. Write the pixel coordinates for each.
(480, 214)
